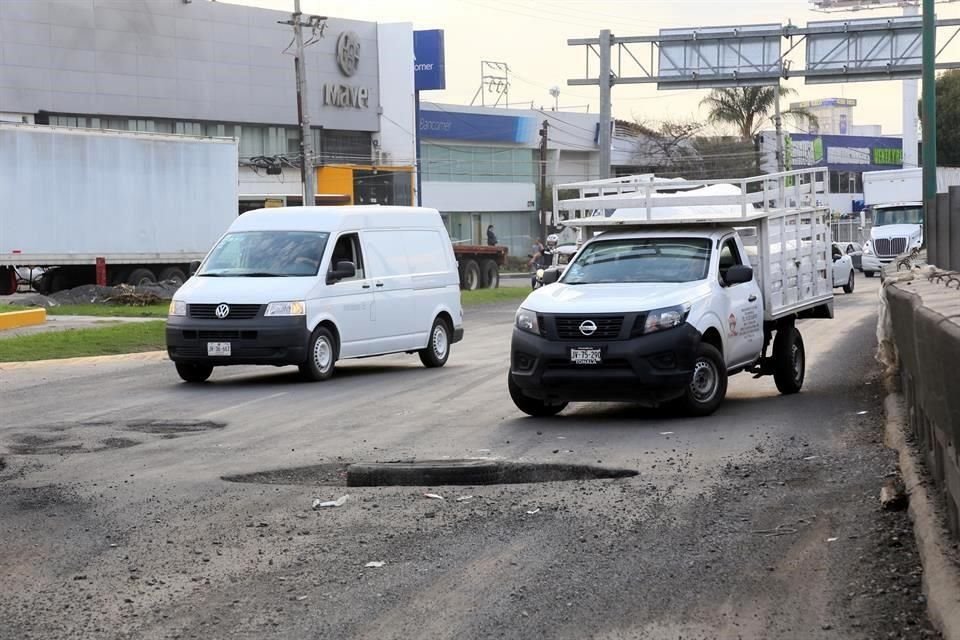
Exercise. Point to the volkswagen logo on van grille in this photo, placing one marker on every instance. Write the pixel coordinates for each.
(223, 310)
(588, 327)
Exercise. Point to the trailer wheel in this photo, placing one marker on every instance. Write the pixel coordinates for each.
(470, 275)
(194, 373)
(174, 275)
(789, 360)
(141, 277)
(532, 406)
(8, 281)
(491, 274)
(708, 385)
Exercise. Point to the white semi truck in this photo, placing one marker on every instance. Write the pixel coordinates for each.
(894, 200)
(142, 205)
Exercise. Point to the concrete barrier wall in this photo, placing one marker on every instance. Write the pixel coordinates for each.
(925, 316)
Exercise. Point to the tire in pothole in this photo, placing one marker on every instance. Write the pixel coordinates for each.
(425, 473)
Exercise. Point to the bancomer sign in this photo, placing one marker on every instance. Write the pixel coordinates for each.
(342, 95)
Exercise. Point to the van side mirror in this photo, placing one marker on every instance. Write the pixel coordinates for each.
(194, 267)
(738, 274)
(551, 275)
(343, 270)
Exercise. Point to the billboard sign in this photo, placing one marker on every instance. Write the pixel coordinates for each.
(842, 153)
(429, 66)
(477, 127)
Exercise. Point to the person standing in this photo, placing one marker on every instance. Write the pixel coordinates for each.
(491, 236)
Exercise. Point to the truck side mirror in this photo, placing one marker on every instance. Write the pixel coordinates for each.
(343, 270)
(194, 267)
(551, 275)
(738, 274)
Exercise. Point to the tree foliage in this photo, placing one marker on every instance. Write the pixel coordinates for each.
(948, 119)
(748, 109)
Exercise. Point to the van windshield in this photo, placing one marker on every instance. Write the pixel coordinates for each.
(265, 254)
(641, 260)
(898, 215)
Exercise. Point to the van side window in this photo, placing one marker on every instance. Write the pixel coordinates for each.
(729, 256)
(347, 249)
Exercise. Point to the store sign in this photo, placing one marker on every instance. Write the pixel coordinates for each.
(342, 95)
(480, 127)
(429, 67)
(843, 153)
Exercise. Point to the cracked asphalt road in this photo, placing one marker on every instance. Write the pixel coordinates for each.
(759, 522)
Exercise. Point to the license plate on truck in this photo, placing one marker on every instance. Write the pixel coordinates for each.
(218, 348)
(585, 355)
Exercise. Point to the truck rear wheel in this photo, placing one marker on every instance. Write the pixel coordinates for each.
(470, 275)
(532, 406)
(140, 277)
(491, 274)
(789, 360)
(708, 385)
(174, 275)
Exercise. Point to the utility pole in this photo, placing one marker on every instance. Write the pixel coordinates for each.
(929, 108)
(543, 179)
(606, 81)
(307, 175)
(778, 124)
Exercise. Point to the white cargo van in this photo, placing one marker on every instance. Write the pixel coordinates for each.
(308, 286)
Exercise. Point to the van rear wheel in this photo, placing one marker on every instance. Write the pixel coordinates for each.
(438, 347)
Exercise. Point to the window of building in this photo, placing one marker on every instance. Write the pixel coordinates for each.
(444, 163)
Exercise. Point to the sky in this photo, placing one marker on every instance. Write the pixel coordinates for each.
(531, 37)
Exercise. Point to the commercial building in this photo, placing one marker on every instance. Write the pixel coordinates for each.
(845, 156)
(481, 166)
(833, 116)
(218, 69)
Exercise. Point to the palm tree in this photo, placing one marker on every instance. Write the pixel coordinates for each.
(747, 108)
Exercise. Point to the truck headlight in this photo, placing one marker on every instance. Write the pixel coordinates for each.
(177, 308)
(527, 321)
(666, 318)
(292, 308)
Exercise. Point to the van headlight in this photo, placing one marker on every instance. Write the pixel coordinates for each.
(527, 321)
(177, 308)
(292, 308)
(666, 318)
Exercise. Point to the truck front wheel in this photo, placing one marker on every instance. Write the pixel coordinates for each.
(789, 360)
(708, 386)
(194, 373)
(532, 406)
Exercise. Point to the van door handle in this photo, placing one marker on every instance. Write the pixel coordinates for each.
(379, 284)
(366, 286)
(752, 298)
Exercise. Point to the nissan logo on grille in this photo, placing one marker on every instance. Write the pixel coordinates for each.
(588, 327)
(223, 310)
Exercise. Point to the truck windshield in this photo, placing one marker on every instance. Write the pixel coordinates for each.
(898, 215)
(641, 260)
(266, 254)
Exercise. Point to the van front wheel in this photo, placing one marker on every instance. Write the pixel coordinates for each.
(321, 356)
(438, 347)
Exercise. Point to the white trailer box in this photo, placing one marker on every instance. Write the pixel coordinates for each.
(145, 203)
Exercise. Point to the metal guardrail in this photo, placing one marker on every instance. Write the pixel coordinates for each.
(942, 233)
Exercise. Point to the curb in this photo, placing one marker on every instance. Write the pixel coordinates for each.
(25, 318)
(30, 364)
(941, 580)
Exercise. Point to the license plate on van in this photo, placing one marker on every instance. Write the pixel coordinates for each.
(585, 355)
(218, 348)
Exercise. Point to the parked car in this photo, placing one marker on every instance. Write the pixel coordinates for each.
(843, 271)
(308, 286)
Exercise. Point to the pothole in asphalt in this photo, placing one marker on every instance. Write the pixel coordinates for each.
(174, 427)
(432, 473)
(29, 444)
